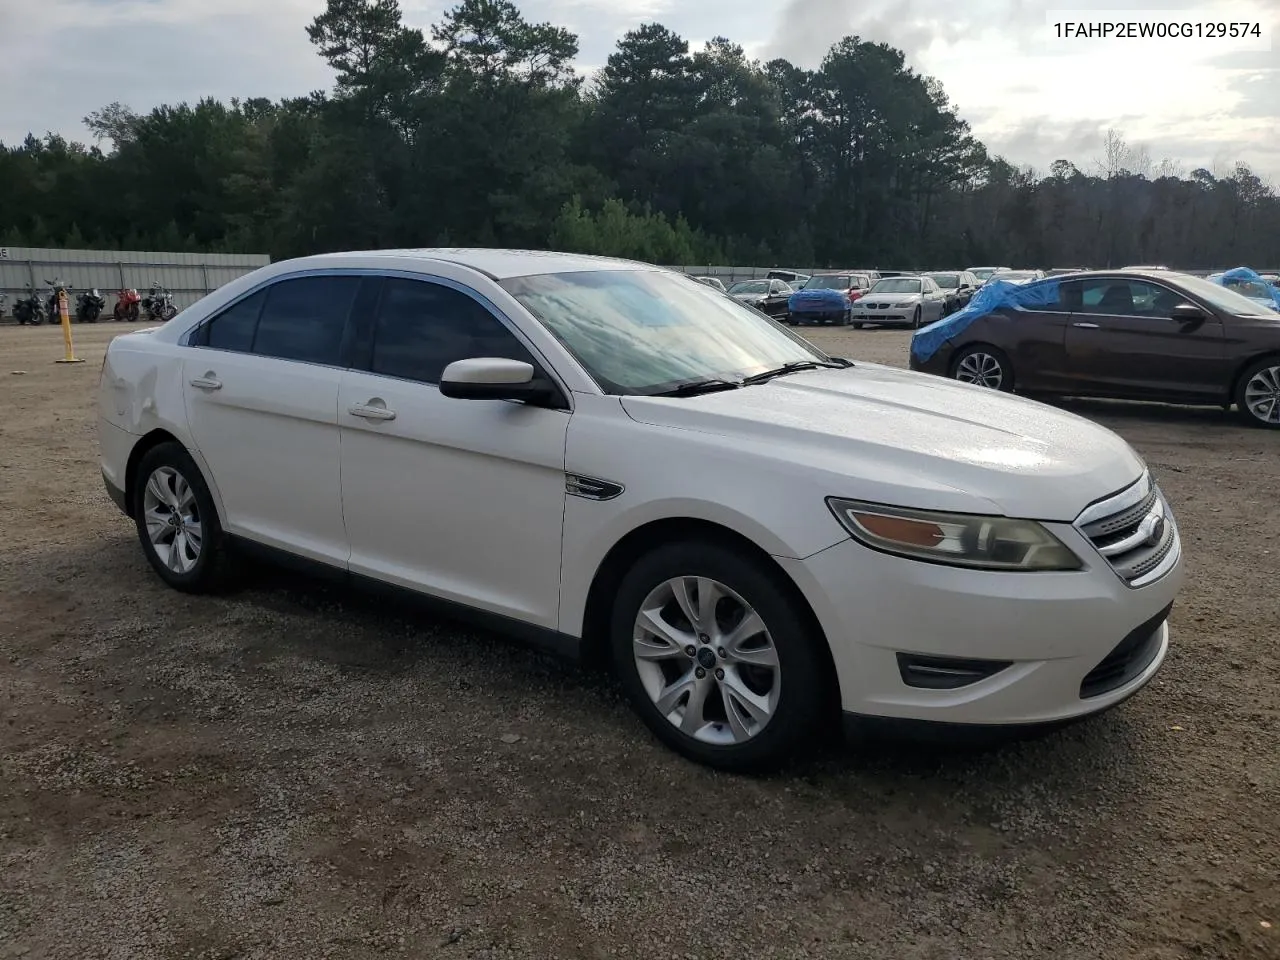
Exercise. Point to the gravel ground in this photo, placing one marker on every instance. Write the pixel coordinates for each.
(295, 771)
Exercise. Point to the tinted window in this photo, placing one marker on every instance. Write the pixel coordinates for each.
(423, 327)
(233, 328)
(1127, 298)
(304, 319)
(948, 281)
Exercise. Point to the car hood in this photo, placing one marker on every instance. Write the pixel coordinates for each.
(818, 297)
(894, 433)
(891, 297)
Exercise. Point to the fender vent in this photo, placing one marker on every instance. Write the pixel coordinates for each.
(591, 488)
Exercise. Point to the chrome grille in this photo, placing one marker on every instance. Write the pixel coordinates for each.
(1134, 531)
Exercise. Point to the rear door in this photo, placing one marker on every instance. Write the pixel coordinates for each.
(1122, 340)
(261, 387)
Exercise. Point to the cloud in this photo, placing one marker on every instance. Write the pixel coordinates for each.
(1030, 97)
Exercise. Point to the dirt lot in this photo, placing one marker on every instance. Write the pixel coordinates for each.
(298, 772)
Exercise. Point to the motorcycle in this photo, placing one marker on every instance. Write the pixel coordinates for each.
(126, 307)
(29, 309)
(89, 306)
(159, 304)
(56, 287)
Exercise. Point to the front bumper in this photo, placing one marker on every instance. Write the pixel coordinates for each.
(826, 315)
(939, 364)
(1061, 633)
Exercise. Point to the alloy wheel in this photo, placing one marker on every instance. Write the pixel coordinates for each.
(981, 369)
(1262, 395)
(172, 519)
(707, 660)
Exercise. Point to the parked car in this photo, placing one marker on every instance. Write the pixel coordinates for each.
(984, 273)
(826, 298)
(909, 301)
(768, 296)
(1156, 336)
(790, 277)
(958, 287)
(1259, 291)
(609, 460)
(1017, 276)
(711, 282)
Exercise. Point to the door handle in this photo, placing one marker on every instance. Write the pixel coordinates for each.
(371, 411)
(1086, 326)
(207, 382)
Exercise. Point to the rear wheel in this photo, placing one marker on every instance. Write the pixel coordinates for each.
(717, 657)
(177, 522)
(983, 366)
(1258, 394)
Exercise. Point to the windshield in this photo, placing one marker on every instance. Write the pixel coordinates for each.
(1250, 288)
(897, 285)
(948, 281)
(750, 286)
(1015, 275)
(642, 332)
(1223, 298)
(983, 273)
(829, 282)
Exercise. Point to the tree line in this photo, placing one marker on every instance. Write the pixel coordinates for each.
(483, 134)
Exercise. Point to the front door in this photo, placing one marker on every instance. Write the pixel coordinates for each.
(1122, 340)
(261, 388)
(460, 499)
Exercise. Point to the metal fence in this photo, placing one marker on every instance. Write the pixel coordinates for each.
(188, 276)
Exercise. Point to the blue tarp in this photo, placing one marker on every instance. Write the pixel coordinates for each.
(818, 298)
(1244, 273)
(993, 295)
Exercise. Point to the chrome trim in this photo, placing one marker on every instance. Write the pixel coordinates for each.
(1126, 498)
(1159, 517)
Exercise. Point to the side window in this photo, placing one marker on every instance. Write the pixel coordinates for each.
(304, 319)
(1126, 298)
(423, 327)
(234, 327)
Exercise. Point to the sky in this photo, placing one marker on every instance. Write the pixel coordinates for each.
(1028, 95)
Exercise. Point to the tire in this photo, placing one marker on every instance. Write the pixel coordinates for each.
(985, 366)
(847, 318)
(794, 686)
(857, 326)
(1257, 393)
(205, 569)
(915, 319)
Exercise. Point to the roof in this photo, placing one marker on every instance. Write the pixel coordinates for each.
(503, 264)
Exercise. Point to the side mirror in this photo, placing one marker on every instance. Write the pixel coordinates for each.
(493, 378)
(1187, 313)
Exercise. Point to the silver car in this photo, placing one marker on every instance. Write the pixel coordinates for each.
(910, 301)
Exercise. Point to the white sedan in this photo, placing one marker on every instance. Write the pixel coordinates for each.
(907, 301)
(604, 457)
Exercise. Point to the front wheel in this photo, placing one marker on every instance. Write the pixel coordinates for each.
(1258, 394)
(915, 319)
(717, 657)
(983, 366)
(177, 522)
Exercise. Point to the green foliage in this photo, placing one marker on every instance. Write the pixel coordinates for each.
(486, 136)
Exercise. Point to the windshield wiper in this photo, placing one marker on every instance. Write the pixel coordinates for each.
(795, 366)
(710, 385)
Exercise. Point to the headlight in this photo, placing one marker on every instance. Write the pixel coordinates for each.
(958, 539)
